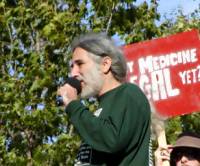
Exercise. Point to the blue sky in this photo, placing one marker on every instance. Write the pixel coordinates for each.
(166, 7)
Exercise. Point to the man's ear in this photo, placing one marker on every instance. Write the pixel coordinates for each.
(106, 64)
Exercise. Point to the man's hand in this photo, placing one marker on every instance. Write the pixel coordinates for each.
(68, 93)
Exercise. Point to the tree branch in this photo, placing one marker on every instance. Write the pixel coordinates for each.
(110, 19)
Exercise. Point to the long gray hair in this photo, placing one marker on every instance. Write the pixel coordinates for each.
(101, 45)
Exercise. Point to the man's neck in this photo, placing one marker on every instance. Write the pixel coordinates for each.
(108, 85)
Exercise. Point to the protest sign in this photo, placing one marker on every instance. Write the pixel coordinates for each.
(168, 71)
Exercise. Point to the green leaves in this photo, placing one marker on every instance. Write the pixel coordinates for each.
(35, 38)
(181, 23)
(28, 116)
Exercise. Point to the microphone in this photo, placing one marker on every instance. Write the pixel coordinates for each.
(75, 83)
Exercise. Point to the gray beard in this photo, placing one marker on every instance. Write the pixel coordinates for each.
(93, 83)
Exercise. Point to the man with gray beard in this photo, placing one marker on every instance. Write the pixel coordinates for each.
(118, 132)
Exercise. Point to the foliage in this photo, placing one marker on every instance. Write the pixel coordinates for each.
(176, 125)
(35, 37)
(181, 23)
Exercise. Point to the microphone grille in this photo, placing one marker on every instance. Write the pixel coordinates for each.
(74, 83)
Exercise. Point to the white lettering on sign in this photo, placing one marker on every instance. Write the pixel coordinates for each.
(133, 79)
(154, 73)
(130, 66)
(151, 63)
(190, 76)
(158, 86)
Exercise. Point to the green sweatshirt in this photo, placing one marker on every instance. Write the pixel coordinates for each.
(118, 133)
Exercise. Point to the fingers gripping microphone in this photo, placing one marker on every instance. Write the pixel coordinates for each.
(75, 83)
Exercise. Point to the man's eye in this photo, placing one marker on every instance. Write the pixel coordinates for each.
(80, 63)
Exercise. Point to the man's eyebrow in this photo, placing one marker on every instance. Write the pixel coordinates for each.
(71, 63)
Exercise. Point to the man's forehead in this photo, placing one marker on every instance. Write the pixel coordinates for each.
(79, 51)
(74, 61)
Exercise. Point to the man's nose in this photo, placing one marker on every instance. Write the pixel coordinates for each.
(75, 72)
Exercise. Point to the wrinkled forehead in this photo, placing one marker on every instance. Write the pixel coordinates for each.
(79, 53)
(84, 55)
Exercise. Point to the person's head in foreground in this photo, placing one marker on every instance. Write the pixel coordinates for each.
(97, 63)
(186, 151)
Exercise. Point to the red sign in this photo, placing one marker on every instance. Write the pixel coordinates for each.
(168, 71)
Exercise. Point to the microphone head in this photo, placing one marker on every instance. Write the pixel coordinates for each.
(75, 83)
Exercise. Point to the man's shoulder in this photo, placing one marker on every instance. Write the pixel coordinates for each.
(135, 92)
(132, 87)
